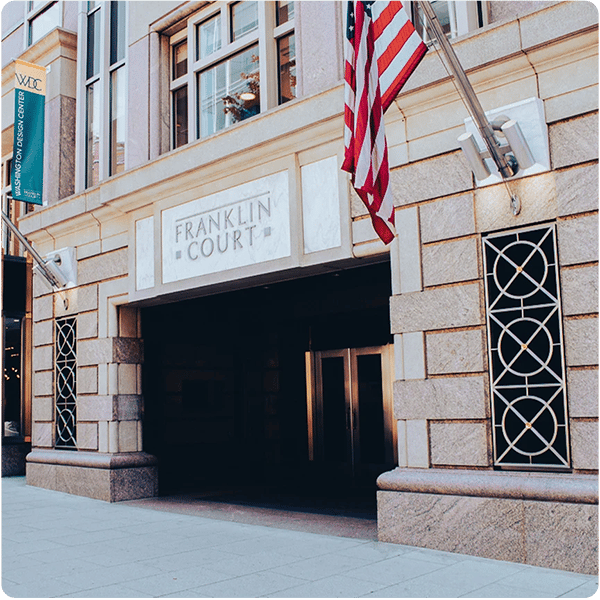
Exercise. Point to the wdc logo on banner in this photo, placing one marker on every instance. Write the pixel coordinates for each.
(28, 143)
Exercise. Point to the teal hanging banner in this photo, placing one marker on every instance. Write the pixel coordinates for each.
(28, 145)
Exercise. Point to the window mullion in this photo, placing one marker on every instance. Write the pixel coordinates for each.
(192, 85)
(268, 55)
(104, 107)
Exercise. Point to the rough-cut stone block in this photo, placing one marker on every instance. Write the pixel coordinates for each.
(487, 527)
(128, 438)
(87, 436)
(13, 459)
(538, 203)
(580, 290)
(65, 303)
(103, 267)
(87, 380)
(109, 484)
(82, 481)
(582, 393)
(581, 342)
(417, 443)
(440, 308)
(558, 21)
(584, 444)
(43, 333)
(129, 484)
(128, 407)
(443, 398)
(43, 358)
(545, 534)
(562, 536)
(41, 435)
(87, 298)
(455, 352)
(94, 352)
(401, 442)
(128, 322)
(413, 353)
(42, 308)
(451, 262)
(409, 250)
(128, 350)
(447, 218)
(40, 286)
(95, 408)
(40, 475)
(459, 444)
(577, 190)
(574, 141)
(87, 325)
(320, 74)
(42, 409)
(43, 383)
(578, 240)
(432, 178)
(128, 379)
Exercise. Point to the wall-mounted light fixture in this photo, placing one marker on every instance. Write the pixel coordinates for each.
(515, 149)
(520, 135)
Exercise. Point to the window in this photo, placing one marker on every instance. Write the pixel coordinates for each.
(456, 17)
(179, 89)
(105, 113)
(42, 17)
(219, 74)
(286, 53)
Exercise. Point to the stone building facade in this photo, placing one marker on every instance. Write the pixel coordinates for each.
(222, 278)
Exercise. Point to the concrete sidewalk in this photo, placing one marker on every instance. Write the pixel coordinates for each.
(58, 545)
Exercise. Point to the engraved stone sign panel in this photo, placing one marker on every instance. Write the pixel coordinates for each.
(240, 226)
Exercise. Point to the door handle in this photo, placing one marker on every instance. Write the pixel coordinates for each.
(354, 420)
(348, 419)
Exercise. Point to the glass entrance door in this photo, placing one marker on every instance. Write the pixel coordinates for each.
(350, 412)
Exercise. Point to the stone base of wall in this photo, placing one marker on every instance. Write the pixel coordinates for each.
(109, 477)
(547, 520)
(13, 458)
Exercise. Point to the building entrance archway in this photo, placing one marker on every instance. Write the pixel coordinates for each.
(225, 380)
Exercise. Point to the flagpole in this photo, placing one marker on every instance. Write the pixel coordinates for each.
(42, 263)
(467, 91)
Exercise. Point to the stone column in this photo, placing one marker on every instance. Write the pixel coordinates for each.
(108, 462)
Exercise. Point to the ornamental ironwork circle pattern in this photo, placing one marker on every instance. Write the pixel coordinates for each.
(526, 351)
(65, 387)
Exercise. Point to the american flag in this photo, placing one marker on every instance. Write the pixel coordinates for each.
(382, 50)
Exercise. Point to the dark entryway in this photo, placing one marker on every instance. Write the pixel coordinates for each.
(225, 378)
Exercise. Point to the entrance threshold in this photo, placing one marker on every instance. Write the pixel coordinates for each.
(352, 516)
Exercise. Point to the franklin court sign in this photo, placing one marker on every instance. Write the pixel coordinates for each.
(245, 225)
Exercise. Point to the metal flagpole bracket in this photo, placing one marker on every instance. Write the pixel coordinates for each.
(466, 90)
(511, 156)
(51, 268)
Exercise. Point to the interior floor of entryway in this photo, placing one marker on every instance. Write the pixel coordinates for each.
(345, 514)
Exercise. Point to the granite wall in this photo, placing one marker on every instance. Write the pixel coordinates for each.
(438, 318)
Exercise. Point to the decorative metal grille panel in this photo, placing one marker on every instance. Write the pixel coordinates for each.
(527, 373)
(66, 398)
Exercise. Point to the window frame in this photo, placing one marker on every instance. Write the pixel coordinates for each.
(32, 13)
(465, 16)
(266, 36)
(103, 79)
